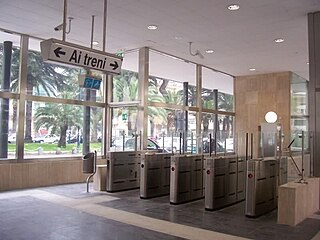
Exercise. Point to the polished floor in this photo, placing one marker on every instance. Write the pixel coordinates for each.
(67, 212)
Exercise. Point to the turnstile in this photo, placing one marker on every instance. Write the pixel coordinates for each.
(123, 170)
(186, 178)
(155, 174)
(261, 186)
(225, 181)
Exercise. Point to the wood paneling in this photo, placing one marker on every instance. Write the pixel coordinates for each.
(41, 173)
(255, 95)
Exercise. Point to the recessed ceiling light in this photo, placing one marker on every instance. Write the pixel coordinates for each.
(252, 69)
(209, 51)
(177, 37)
(152, 27)
(95, 43)
(308, 63)
(233, 7)
(279, 40)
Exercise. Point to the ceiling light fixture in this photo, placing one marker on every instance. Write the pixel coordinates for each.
(152, 27)
(209, 51)
(95, 43)
(252, 69)
(177, 38)
(233, 7)
(279, 40)
(308, 63)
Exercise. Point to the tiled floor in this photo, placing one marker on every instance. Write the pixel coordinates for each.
(68, 212)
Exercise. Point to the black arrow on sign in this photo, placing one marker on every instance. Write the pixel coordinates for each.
(58, 52)
(114, 65)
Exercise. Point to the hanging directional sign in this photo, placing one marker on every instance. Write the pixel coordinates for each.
(71, 54)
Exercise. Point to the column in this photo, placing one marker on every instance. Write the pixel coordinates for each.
(314, 85)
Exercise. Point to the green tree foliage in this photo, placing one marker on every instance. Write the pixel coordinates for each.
(59, 118)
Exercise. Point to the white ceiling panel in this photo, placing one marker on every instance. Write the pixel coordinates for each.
(241, 39)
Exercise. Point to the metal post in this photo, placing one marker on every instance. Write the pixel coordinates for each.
(135, 142)
(191, 142)
(123, 140)
(163, 142)
(215, 143)
(251, 148)
(185, 96)
(302, 157)
(180, 138)
(104, 28)
(210, 149)
(247, 146)
(94, 170)
(140, 133)
(64, 20)
(172, 142)
(92, 31)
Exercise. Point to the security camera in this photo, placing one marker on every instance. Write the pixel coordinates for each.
(59, 27)
(199, 54)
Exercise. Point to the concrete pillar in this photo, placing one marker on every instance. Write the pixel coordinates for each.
(314, 85)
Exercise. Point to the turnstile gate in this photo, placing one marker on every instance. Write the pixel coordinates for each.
(225, 181)
(123, 170)
(155, 174)
(186, 178)
(261, 186)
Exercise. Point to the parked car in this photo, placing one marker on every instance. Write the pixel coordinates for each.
(214, 145)
(50, 138)
(129, 144)
(12, 138)
(74, 139)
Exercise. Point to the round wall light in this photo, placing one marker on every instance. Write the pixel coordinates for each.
(271, 117)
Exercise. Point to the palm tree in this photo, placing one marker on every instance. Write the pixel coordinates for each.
(41, 77)
(225, 102)
(59, 118)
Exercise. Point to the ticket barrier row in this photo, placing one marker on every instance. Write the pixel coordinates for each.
(263, 179)
(225, 181)
(123, 170)
(155, 175)
(220, 180)
(186, 178)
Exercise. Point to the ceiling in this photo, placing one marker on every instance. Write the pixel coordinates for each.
(241, 39)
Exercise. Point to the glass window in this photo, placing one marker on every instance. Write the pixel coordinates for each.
(124, 129)
(56, 129)
(223, 83)
(168, 82)
(225, 134)
(165, 126)
(165, 91)
(299, 96)
(225, 102)
(8, 128)
(125, 85)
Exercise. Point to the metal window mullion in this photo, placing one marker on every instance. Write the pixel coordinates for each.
(108, 114)
(199, 106)
(143, 95)
(64, 101)
(22, 100)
